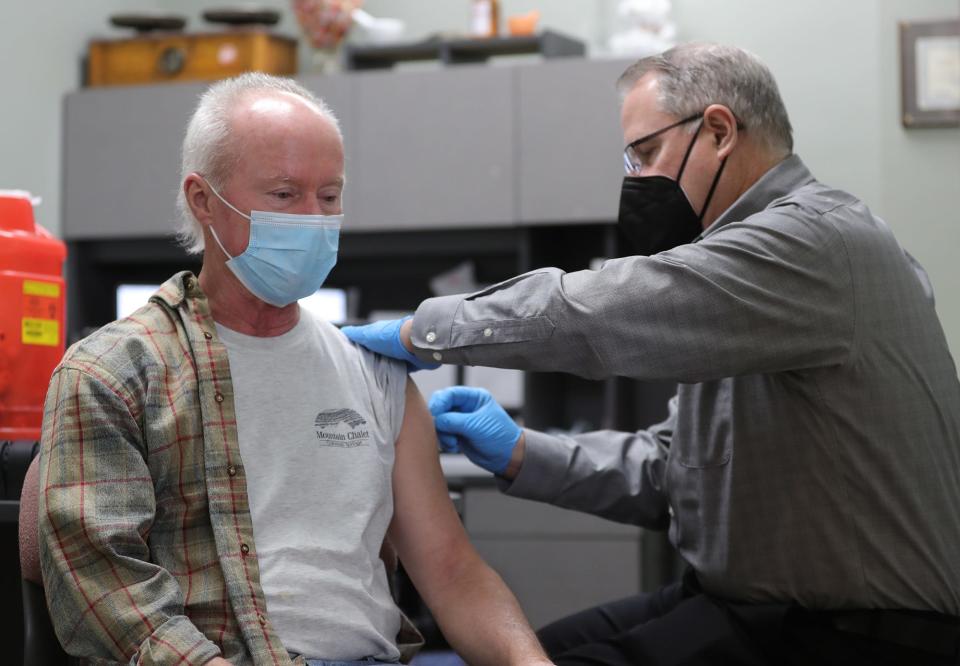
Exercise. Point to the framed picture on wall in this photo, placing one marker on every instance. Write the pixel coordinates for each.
(930, 73)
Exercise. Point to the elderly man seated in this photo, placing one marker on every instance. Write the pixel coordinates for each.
(220, 470)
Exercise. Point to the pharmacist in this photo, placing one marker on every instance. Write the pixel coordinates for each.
(809, 469)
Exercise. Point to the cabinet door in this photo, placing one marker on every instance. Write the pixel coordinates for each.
(433, 149)
(555, 561)
(554, 578)
(122, 159)
(570, 156)
(122, 155)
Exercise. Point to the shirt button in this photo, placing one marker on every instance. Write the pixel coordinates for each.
(218, 397)
(191, 283)
(232, 470)
(244, 548)
(208, 335)
(487, 332)
(670, 510)
(431, 336)
(437, 356)
(262, 618)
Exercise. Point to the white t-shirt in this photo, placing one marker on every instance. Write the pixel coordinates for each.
(317, 419)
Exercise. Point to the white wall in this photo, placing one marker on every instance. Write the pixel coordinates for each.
(41, 43)
(920, 173)
(837, 64)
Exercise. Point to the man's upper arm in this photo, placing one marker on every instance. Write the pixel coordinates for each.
(96, 508)
(426, 530)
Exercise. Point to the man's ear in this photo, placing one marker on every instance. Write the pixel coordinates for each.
(720, 122)
(199, 198)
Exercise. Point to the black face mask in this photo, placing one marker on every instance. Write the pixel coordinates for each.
(656, 215)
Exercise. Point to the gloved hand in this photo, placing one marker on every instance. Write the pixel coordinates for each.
(383, 337)
(470, 420)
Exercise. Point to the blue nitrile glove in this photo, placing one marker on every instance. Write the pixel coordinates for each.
(383, 337)
(470, 420)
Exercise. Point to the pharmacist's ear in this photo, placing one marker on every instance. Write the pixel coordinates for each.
(720, 123)
(199, 198)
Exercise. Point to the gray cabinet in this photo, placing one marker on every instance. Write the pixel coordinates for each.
(570, 152)
(435, 149)
(122, 155)
(459, 147)
(555, 561)
(122, 160)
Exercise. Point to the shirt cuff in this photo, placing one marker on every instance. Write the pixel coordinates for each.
(176, 641)
(432, 330)
(543, 469)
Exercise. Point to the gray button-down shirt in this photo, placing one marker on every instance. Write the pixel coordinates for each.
(813, 450)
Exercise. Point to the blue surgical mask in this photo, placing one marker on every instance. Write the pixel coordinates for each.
(288, 256)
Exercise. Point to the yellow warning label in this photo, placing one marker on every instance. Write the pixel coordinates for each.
(41, 332)
(36, 288)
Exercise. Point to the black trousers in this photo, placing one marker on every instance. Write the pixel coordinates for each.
(679, 625)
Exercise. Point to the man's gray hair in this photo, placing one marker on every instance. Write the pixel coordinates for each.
(207, 147)
(693, 76)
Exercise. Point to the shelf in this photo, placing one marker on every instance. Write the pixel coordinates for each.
(462, 50)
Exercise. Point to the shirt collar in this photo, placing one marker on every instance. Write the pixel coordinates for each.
(174, 291)
(778, 182)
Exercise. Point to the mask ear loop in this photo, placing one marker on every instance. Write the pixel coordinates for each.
(213, 232)
(231, 207)
(686, 156)
(713, 187)
(716, 179)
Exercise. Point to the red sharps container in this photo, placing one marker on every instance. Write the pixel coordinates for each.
(32, 313)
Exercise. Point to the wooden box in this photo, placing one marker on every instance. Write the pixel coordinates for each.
(155, 58)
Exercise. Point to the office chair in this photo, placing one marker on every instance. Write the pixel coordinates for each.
(40, 644)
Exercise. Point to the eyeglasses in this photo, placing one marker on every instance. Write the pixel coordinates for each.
(632, 161)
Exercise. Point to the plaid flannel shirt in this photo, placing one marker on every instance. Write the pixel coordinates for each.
(146, 540)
